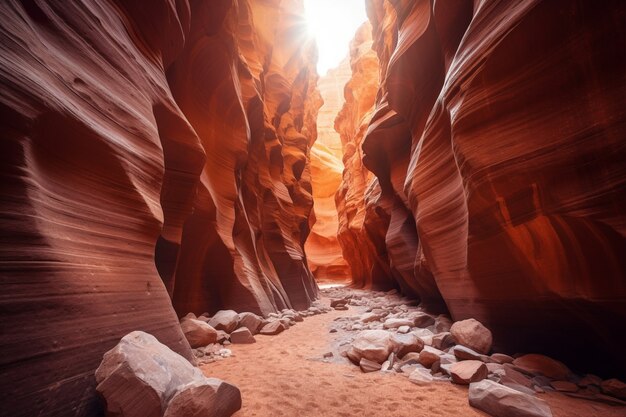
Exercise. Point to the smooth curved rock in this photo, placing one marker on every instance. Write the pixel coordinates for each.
(473, 334)
(198, 333)
(542, 365)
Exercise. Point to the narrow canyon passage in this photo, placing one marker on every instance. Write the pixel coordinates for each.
(312, 208)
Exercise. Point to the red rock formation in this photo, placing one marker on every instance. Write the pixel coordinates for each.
(500, 127)
(324, 255)
(175, 134)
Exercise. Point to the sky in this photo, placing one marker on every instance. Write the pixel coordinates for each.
(333, 23)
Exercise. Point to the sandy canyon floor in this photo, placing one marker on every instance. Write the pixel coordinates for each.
(286, 375)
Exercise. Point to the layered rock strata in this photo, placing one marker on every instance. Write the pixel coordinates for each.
(141, 145)
(497, 137)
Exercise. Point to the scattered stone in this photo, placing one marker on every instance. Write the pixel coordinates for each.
(407, 343)
(442, 324)
(374, 345)
(429, 355)
(421, 376)
(198, 333)
(222, 336)
(512, 376)
(564, 386)
(251, 321)
(500, 401)
(394, 323)
(422, 319)
(423, 333)
(463, 353)
(370, 317)
(404, 329)
(502, 358)
(468, 371)
(341, 307)
(242, 336)
(339, 302)
(226, 320)
(473, 334)
(614, 387)
(542, 365)
(367, 365)
(443, 341)
(273, 328)
(327, 355)
(157, 381)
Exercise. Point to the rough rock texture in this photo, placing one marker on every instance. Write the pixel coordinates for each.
(198, 333)
(500, 401)
(168, 140)
(497, 144)
(323, 251)
(141, 377)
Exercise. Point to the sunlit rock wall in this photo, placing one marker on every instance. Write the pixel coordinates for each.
(139, 144)
(500, 127)
(322, 247)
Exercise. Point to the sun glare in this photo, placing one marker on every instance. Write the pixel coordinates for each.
(333, 23)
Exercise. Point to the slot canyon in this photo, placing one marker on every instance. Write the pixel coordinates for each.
(203, 215)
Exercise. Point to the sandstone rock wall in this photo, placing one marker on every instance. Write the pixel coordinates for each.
(497, 140)
(140, 144)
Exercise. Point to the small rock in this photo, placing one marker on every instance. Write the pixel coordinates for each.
(342, 307)
(464, 353)
(404, 329)
(443, 341)
(370, 317)
(273, 328)
(502, 358)
(422, 319)
(442, 323)
(339, 302)
(473, 334)
(327, 355)
(542, 365)
(226, 320)
(242, 336)
(394, 323)
(367, 365)
(407, 343)
(429, 355)
(500, 401)
(198, 333)
(421, 376)
(614, 387)
(250, 320)
(222, 336)
(374, 345)
(564, 386)
(465, 372)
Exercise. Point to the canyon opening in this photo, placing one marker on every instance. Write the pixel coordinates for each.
(313, 208)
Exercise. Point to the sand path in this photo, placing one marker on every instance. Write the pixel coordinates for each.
(283, 375)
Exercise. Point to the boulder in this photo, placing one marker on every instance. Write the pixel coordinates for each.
(500, 401)
(273, 328)
(242, 336)
(226, 320)
(542, 365)
(140, 377)
(198, 333)
(473, 334)
(443, 340)
(407, 343)
(251, 321)
(614, 387)
(374, 345)
(429, 355)
(213, 397)
(466, 372)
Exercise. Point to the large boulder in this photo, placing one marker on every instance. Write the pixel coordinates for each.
(198, 333)
(226, 320)
(209, 398)
(500, 401)
(542, 365)
(473, 334)
(140, 377)
(251, 321)
(375, 345)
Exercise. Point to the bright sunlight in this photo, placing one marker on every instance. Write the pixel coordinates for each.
(333, 23)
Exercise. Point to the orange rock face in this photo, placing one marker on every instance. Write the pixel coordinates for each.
(324, 255)
(497, 143)
(143, 144)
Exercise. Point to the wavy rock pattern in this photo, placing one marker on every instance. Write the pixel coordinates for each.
(323, 251)
(497, 137)
(139, 143)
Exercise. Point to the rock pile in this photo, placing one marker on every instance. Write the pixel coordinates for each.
(393, 335)
(140, 377)
(208, 335)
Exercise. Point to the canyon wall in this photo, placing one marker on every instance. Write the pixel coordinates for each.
(497, 141)
(323, 251)
(143, 146)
